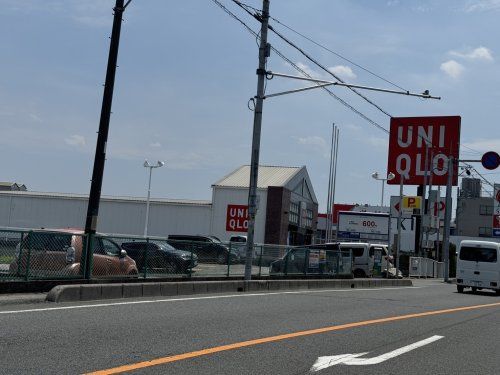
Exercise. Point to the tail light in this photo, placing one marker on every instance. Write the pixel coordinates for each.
(70, 254)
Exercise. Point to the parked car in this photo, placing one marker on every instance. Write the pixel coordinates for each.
(160, 257)
(209, 249)
(58, 254)
(364, 257)
(297, 260)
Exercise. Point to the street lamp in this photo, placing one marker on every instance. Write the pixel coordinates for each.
(390, 176)
(150, 166)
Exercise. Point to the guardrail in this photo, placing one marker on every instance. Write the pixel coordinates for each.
(425, 267)
(45, 254)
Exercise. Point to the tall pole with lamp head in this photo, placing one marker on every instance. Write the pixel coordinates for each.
(147, 165)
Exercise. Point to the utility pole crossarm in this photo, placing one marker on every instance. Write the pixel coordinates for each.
(323, 83)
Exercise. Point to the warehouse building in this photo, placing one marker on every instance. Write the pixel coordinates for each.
(287, 209)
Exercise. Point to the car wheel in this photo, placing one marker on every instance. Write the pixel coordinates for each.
(221, 258)
(497, 292)
(460, 288)
(474, 289)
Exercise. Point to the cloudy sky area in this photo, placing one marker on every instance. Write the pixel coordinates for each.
(187, 70)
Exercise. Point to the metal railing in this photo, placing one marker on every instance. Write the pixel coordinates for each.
(27, 255)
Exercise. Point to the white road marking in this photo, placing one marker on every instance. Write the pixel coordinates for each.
(242, 294)
(354, 360)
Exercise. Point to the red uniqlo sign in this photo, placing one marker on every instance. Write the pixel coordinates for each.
(237, 218)
(407, 155)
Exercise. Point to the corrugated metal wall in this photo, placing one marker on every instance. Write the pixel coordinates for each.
(116, 216)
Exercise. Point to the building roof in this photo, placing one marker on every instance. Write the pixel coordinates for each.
(106, 198)
(269, 175)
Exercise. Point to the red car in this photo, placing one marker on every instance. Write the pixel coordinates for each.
(58, 254)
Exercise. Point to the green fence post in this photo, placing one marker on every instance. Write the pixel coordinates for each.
(306, 261)
(145, 275)
(260, 260)
(229, 260)
(20, 257)
(28, 260)
(91, 257)
(190, 269)
(287, 254)
(338, 263)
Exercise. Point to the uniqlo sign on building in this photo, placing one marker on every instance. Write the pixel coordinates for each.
(407, 148)
(237, 218)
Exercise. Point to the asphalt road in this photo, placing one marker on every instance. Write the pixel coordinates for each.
(81, 338)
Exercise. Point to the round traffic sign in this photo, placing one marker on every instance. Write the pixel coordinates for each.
(490, 160)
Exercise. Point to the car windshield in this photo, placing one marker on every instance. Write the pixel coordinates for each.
(478, 254)
(167, 247)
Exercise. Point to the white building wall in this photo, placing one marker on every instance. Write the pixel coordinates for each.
(115, 216)
(224, 196)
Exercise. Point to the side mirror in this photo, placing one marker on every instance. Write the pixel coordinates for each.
(123, 253)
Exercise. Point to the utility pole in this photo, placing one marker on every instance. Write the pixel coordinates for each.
(447, 220)
(102, 137)
(264, 51)
(335, 180)
(400, 214)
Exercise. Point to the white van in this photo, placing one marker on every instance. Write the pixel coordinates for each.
(364, 257)
(478, 266)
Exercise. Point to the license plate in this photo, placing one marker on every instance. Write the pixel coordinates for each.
(476, 283)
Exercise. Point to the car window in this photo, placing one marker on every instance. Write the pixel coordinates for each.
(48, 241)
(478, 254)
(110, 247)
(382, 250)
(356, 251)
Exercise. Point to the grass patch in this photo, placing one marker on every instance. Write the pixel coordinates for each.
(6, 259)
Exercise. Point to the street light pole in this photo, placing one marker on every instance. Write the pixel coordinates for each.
(147, 165)
(390, 176)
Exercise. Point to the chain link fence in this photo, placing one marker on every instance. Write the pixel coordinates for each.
(44, 254)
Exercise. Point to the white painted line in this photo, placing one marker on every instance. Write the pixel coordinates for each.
(354, 360)
(242, 294)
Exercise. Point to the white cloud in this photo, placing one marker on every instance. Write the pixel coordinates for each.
(452, 68)
(480, 53)
(155, 145)
(342, 71)
(377, 142)
(482, 5)
(35, 118)
(316, 143)
(76, 140)
(309, 70)
(483, 145)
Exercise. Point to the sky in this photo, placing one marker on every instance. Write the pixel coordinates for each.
(187, 71)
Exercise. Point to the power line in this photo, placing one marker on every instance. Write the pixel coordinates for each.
(281, 55)
(330, 50)
(311, 59)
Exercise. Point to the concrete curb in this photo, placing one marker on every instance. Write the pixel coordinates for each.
(94, 292)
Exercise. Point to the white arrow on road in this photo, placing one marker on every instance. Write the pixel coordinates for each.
(353, 360)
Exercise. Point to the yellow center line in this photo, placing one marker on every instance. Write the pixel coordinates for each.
(243, 344)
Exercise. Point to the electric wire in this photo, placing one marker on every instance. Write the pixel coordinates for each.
(257, 16)
(325, 48)
(282, 56)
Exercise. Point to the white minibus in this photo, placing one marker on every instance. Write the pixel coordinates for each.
(478, 266)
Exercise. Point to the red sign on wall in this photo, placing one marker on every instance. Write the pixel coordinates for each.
(237, 218)
(407, 148)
